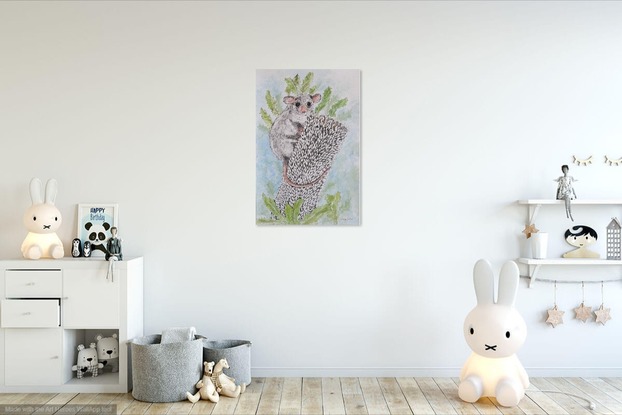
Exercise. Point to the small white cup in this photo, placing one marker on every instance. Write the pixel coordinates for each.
(539, 243)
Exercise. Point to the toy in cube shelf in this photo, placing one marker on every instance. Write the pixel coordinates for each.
(87, 361)
(108, 351)
(494, 331)
(42, 220)
(205, 386)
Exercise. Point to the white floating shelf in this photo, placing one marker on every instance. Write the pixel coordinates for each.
(573, 202)
(535, 204)
(535, 264)
(569, 261)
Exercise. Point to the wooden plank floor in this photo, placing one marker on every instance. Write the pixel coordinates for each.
(371, 396)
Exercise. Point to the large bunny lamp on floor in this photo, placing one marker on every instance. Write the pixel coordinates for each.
(494, 331)
(42, 220)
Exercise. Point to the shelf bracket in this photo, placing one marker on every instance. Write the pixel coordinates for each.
(533, 272)
(533, 213)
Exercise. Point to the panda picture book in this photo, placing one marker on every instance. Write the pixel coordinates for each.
(94, 223)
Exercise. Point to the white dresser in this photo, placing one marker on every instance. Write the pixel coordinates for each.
(49, 307)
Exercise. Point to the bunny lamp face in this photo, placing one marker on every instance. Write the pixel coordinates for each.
(42, 218)
(494, 330)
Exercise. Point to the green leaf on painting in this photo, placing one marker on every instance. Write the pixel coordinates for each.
(289, 214)
(297, 207)
(325, 99)
(292, 85)
(266, 118)
(306, 83)
(273, 104)
(333, 205)
(271, 205)
(337, 105)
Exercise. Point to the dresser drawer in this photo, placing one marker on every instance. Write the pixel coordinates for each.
(33, 283)
(30, 313)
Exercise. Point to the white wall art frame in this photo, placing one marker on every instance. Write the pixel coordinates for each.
(101, 216)
(308, 147)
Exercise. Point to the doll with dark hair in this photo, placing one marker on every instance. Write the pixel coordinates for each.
(113, 246)
(581, 236)
(565, 191)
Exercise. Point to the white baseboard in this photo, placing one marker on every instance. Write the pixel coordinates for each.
(575, 372)
(269, 372)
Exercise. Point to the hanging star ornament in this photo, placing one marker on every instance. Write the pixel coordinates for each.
(583, 313)
(555, 317)
(529, 229)
(602, 314)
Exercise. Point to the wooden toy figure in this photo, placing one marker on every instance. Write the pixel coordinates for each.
(581, 236)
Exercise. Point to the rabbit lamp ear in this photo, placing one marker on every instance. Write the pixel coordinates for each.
(508, 284)
(35, 191)
(51, 189)
(484, 282)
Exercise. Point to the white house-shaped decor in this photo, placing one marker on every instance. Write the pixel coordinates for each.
(613, 239)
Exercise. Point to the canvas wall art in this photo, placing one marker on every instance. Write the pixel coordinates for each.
(308, 147)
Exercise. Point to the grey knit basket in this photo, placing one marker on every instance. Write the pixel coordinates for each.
(237, 353)
(165, 372)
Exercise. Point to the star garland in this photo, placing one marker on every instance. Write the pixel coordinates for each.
(602, 314)
(555, 316)
(582, 312)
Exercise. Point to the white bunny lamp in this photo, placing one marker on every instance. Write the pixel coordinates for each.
(42, 220)
(494, 331)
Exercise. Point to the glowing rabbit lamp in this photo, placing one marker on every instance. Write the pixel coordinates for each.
(494, 331)
(42, 220)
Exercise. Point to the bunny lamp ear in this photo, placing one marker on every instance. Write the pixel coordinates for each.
(508, 284)
(35, 191)
(51, 189)
(484, 282)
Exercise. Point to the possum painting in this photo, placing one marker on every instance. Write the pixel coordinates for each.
(308, 147)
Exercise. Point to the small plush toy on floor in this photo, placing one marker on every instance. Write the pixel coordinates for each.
(206, 387)
(108, 351)
(87, 361)
(224, 384)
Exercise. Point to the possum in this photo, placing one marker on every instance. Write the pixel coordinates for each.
(289, 125)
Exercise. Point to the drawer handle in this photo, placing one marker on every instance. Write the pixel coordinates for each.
(55, 357)
(30, 284)
(27, 313)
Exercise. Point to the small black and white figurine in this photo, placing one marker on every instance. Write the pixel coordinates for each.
(76, 248)
(86, 250)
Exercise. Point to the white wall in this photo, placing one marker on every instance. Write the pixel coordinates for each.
(466, 107)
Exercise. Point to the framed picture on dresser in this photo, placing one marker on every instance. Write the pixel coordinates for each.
(94, 223)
